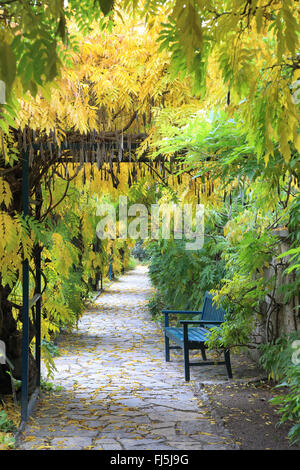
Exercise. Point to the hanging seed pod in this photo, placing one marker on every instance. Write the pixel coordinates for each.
(129, 179)
(151, 168)
(31, 155)
(66, 171)
(75, 153)
(103, 153)
(134, 173)
(42, 153)
(98, 156)
(50, 149)
(121, 147)
(94, 153)
(129, 146)
(112, 176)
(81, 155)
(163, 168)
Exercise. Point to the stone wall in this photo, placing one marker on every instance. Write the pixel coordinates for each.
(284, 319)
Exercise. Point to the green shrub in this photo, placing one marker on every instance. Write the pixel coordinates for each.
(139, 252)
(6, 425)
(50, 387)
(182, 276)
(282, 361)
(51, 347)
(155, 306)
(132, 263)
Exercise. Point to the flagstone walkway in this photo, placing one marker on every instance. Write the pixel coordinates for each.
(117, 391)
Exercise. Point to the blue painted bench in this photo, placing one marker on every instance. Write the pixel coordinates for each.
(194, 337)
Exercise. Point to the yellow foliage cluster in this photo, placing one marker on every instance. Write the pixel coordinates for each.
(115, 76)
(14, 239)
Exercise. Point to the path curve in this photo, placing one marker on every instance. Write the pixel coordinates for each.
(117, 391)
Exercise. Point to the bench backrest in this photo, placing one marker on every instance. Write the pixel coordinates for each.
(210, 311)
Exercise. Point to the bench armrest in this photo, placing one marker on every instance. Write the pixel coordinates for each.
(201, 322)
(184, 312)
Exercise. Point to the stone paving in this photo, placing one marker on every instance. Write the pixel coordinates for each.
(117, 391)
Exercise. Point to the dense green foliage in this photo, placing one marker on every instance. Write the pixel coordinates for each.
(241, 260)
(239, 55)
(182, 276)
(282, 362)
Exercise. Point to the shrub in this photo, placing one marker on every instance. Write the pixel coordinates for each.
(155, 306)
(139, 252)
(282, 361)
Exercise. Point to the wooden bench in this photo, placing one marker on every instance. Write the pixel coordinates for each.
(194, 337)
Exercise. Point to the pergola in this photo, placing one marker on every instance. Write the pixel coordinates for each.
(39, 154)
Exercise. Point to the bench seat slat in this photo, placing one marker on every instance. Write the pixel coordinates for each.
(194, 334)
(198, 334)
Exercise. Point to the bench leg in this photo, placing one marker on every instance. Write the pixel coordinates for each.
(203, 354)
(186, 362)
(186, 353)
(167, 349)
(227, 363)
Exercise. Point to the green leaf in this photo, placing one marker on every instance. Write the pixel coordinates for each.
(106, 5)
(7, 64)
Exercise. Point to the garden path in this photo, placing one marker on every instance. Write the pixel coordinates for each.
(117, 392)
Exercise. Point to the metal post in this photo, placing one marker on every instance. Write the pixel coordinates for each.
(167, 341)
(186, 353)
(38, 291)
(110, 270)
(25, 293)
(38, 318)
